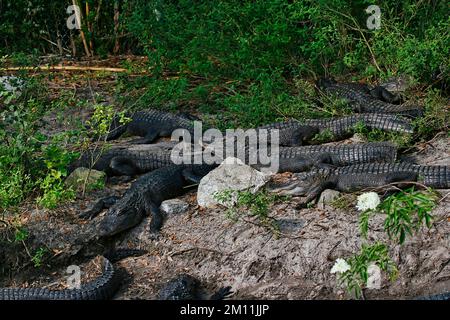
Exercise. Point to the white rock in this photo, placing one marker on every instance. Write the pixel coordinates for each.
(374, 277)
(327, 197)
(232, 174)
(174, 206)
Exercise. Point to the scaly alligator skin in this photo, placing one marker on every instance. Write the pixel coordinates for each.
(345, 154)
(441, 297)
(295, 133)
(361, 176)
(364, 102)
(127, 161)
(186, 287)
(102, 288)
(150, 124)
(145, 196)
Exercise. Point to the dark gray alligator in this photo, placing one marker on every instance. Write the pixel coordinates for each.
(144, 198)
(125, 160)
(344, 154)
(364, 100)
(102, 288)
(296, 133)
(361, 176)
(141, 159)
(150, 124)
(186, 287)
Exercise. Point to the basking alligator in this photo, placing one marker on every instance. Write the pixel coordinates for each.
(102, 288)
(340, 155)
(150, 124)
(144, 198)
(295, 133)
(186, 287)
(362, 99)
(361, 176)
(128, 161)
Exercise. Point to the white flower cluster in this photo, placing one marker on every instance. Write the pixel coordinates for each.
(368, 201)
(340, 266)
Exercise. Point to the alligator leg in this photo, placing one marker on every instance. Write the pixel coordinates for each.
(123, 166)
(149, 137)
(152, 210)
(303, 134)
(101, 204)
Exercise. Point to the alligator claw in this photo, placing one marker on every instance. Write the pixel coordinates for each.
(222, 293)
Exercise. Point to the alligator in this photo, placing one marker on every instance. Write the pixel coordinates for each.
(378, 92)
(362, 176)
(102, 288)
(150, 124)
(186, 287)
(342, 155)
(297, 133)
(363, 101)
(304, 158)
(144, 198)
(125, 160)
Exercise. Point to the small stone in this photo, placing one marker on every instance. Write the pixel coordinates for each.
(327, 197)
(38, 214)
(78, 177)
(174, 206)
(358, 138)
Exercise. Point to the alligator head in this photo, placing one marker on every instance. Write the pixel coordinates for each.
(304, 185)
(119, 218)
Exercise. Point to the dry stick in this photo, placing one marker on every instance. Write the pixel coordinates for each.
(65, 68)
(90, 29)
(116, 27)
(83, 38)
(72, 44)
(60, 48)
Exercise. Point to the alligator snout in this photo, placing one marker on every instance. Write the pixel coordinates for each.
(117, 220)
(293, 188)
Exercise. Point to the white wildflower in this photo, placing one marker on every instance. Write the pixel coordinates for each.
(368, 201)
(340, 266)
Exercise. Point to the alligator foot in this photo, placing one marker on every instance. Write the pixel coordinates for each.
(122, 166)
(222, 294)
(101, 204)
(120, 179)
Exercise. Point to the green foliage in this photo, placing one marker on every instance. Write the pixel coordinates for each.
(407, 211)
(245, 203)
(38, 257)
(436, 115)
(20, 234)
(28, 162)
(400, 139)
(102, 118)
(356, 278)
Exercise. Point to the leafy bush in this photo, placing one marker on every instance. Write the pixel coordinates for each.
(356, 278)
(28, 162)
